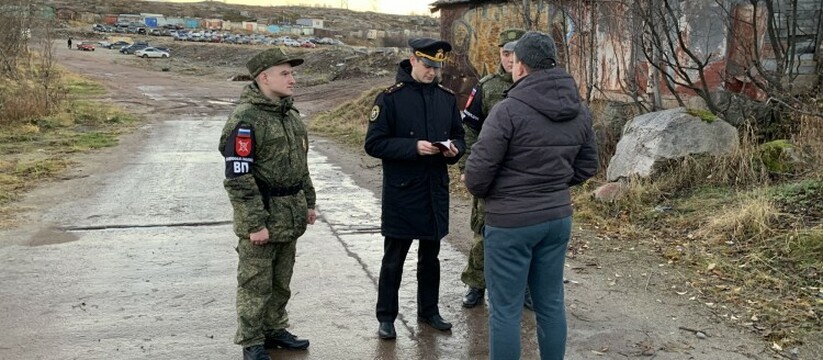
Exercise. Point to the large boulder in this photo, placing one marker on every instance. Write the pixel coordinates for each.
(671, 134)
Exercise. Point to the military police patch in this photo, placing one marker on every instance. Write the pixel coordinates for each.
(242, 143)
(375, 112)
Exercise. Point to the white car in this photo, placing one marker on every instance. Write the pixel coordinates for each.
(152, 52)
(290, 42)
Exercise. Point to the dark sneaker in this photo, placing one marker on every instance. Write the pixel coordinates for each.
(386, 331)
(437, 322)
(256, 352)
(527, 301)
(473, 297)
(286, 340)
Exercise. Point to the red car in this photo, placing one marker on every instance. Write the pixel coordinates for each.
(308, 44)
(85, 46)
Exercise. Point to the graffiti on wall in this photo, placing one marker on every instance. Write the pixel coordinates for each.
(475, 36)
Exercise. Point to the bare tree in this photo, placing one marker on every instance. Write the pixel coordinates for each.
(767, 40)
(15, 25)
(47, 75)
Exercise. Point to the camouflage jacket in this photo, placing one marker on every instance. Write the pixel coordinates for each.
(265, 146)
(488, 92)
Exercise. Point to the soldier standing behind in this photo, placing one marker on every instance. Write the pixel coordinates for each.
(408, 122)
(265, 145)
(69, 42)
(488, 92)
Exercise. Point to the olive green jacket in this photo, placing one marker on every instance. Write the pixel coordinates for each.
(278, 160)
(489, 91)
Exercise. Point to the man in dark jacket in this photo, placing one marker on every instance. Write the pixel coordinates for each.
(534, 145)
(415, 128)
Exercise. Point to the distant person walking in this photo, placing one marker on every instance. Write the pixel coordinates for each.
(69, 42)
(534, 145)
(265, 145)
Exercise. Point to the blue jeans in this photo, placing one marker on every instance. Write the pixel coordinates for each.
(514, 257)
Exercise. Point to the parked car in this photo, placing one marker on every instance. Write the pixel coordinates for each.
(308, 44)
(118, 44)
(86, 46)
(151, 52)
(290, 42)
(133, 47)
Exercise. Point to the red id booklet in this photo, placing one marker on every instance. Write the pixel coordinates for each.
(444, 145)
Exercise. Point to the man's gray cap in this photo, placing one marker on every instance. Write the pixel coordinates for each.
(537, 50)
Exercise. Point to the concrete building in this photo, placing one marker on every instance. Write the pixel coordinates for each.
(312, 23)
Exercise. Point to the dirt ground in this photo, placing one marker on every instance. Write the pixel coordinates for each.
(636, 297)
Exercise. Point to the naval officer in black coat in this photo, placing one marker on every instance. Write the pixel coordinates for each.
(416, 130)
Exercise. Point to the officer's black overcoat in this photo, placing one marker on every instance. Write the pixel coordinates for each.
(415, 187)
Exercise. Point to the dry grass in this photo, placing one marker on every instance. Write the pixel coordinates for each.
(36, 142)
(741, 236)
(348, 122)
(752, 219)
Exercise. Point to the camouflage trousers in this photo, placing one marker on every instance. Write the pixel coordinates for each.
(473, 273)
(263, 277)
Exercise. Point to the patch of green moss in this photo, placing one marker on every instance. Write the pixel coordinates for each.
(703, 114)
(775, 156)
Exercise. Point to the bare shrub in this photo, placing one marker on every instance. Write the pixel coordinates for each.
(15, 30)
(809, 138)
(20, 101)
(29, 81)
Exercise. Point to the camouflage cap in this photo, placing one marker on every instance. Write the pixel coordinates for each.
(510, 35)
(268, 58)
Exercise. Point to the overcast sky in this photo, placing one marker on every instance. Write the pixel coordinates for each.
(418, 7)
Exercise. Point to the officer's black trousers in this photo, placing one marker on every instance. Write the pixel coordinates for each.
(391, 272)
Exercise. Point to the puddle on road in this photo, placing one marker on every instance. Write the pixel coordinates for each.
(154, 92)
(51, 236)
(222, 102)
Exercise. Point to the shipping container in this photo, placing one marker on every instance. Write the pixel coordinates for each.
(151, 22)
(192, 23)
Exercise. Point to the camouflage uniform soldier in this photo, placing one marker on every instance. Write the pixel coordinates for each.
(265, 145)
(488, 92)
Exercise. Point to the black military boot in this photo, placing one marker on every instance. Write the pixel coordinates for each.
(436, 321)
(527, 301)
(286, 340)
(473, 297)
(386, 330)
(255, 352)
